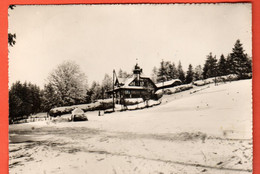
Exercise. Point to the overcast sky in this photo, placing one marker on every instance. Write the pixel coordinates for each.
(101, 38)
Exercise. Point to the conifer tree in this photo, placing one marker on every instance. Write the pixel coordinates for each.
(172, 71)
(239, 60)
(161, 75)
(249, 64)
(189, 75)
(180, 73)
(50, 98)
(229, 65)
(222, 66)
(210, 67)
(35, 98)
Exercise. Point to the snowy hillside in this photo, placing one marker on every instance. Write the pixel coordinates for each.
(206, 129)
(213, 110)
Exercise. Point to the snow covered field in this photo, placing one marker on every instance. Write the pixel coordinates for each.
(206, 129)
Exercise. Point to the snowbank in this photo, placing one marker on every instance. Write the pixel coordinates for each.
(106, 104)
(133, 101)
(173, 90)
(230, 77)
(142, 105)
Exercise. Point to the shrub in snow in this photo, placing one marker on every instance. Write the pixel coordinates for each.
(133, 101)
(99, 105)
(232, 77)
(60, 120)
(219, 79)
(247, 76)
(82, 117)
(159, 94)
(78, 115)
(183, 87)
(148, 103)
(199, 83)
(209, 80)
(204, 82)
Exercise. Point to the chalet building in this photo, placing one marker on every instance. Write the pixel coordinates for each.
(138, 86)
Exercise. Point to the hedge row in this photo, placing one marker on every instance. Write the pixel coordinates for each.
(231, 77)
(99, 105)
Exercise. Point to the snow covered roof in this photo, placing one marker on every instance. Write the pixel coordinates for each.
(126, 87)
(132, 87)
(122, 80)
(166, 83)
(125, 81)
(128, 81)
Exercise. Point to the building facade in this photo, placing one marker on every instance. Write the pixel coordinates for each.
(136, 86)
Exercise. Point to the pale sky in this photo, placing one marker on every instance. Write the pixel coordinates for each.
(101, 38)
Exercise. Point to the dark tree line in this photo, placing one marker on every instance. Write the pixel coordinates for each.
(236, 62)
(168, 71)
(24, 99)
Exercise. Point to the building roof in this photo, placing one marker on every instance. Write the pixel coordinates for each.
(125, 81)
(126, 87)
(167, 83)
(132, 87)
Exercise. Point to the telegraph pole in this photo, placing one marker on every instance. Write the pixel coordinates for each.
(113, 90)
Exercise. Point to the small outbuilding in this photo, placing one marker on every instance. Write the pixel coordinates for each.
(168, 84)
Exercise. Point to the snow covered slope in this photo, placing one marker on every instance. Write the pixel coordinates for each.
(203, 130)
(223, 111)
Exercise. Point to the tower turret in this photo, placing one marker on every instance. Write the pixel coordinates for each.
(137, 72)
